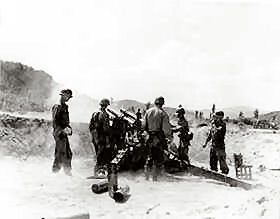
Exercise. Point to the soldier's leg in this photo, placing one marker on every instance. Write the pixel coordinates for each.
(148, 166)
(99, 162)
(67, 167)
(213, 160)
(101, 158)
(59, 146)
(158, 159)
(149, 162)
(222, 161)
(185, 155)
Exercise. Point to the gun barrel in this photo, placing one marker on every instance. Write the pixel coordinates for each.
(113, 112)
(128, 114)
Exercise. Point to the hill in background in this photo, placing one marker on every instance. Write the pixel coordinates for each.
(24, 88)
(27, 91)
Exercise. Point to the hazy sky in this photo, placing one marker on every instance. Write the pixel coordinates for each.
(192, 52)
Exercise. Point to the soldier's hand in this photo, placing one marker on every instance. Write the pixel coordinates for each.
(67, 131)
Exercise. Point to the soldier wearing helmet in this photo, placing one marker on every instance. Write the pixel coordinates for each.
(217, 137)
(156, 123)
(184, 135)
(61, 129)
(100, 131)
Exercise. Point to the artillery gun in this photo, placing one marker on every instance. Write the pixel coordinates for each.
(130, 154)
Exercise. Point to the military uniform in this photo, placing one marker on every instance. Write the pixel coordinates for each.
(100, 131)
(156, 123)
(183, 129)
(63, 153)
(217, 151)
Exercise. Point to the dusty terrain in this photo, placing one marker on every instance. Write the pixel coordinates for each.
(30, 190)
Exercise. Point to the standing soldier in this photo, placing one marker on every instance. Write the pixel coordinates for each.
(156, 123)
(61, 129)
(138, 123)
(184, 135)
(100, 131)
(217, 135)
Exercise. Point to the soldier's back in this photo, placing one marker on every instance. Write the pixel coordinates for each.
(153, 118)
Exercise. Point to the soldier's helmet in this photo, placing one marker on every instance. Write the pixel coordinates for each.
(104, 102)
(159, 101)
(180, 110)
(219, 114)
(67, 92)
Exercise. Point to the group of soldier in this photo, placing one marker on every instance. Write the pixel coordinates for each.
(156, 126)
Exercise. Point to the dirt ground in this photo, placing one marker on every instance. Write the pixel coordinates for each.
(30, 190)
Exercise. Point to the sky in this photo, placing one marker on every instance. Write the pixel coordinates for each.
(194, 53)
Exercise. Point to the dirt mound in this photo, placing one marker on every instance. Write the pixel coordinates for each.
(25, 137)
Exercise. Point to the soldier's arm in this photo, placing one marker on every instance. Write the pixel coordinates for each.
(145, 124)
(166, 126)
(55, 111)
(208, 139)
(223, 129)
(55, 117)
(186, 126)
(91, 123)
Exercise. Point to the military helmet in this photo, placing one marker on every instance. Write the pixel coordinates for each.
(219, 114)
(180, 110)
(104, 102)
(67, 92)
(159, 101)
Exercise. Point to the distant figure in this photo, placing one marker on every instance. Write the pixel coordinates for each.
(201, 115)
(196, 114)
(137, 123)
(100, 131)
(183, 129)
(156, 123)
(139, 114)
(61, 129)
(213, 111)
(217, 135)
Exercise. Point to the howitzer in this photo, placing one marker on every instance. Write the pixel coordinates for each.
(129, 114)
(122, 124)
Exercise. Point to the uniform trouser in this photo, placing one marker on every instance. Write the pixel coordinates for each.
(183, 151)
(62, 155)
(103, 150)
(218, 155)
(155, 157)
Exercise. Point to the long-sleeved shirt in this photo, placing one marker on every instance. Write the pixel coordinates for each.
(217, 134)
(100, 122)
(183, 126)
(155, 120)
(60, 117)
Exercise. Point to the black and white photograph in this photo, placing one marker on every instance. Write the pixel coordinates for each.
(139, 109)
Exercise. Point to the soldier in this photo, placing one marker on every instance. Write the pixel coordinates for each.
(61, 129)
(100, 131)
(217, 135)
(138, 123)
(156, 123)
(184, 135)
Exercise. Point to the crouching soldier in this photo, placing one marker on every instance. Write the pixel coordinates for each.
(61, 129)
(156, 123)
(100, 131)
(217, 135)
(184, 135)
